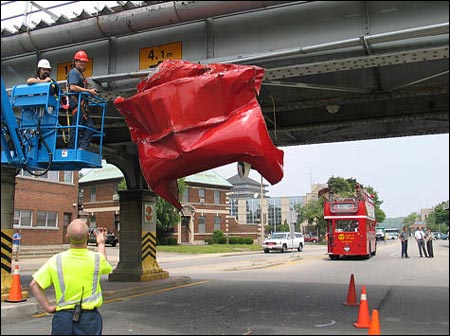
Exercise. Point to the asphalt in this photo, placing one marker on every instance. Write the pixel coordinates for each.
(32, 257)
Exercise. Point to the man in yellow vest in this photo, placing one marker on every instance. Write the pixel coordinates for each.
(75, 275)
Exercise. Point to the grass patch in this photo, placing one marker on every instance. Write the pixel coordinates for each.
(214, 248)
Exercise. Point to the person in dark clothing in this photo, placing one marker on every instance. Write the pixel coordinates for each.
(429, 237)
(403, 236)
(77, 83)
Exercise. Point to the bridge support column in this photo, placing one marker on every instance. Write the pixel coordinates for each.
(8, 185)
(137, 255)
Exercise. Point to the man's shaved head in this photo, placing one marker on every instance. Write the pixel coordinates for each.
(77, 232)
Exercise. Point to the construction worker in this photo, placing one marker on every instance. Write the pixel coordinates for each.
(42, 73)
(77, 83)
(75, 275)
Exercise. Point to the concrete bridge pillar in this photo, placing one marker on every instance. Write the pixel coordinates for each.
(137, 256)
(8, 185)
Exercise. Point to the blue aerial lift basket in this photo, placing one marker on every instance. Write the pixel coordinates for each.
(36, 140)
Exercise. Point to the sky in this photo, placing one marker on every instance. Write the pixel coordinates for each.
(408, 173)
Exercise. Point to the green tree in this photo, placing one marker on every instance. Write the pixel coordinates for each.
(380, 215)
(438, 219)
(342, 187)
(411, 219)
(122, 184)
(441, 213)
(312, 212)
(167, 216)
(283, 228)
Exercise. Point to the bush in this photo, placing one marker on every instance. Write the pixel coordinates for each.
(233, 240)
(249, 240)
(217, 235)
(166, 241)
(171, 241)
(222, 240)
(208, 241)
(241, 240)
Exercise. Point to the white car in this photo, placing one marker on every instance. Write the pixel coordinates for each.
(282, 241)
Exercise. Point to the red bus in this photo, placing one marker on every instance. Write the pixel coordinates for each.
(351, 227)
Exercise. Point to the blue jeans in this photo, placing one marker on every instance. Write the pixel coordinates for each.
(91, 323)
(84, 135)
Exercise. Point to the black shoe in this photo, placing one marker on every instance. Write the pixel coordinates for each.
(406, 257)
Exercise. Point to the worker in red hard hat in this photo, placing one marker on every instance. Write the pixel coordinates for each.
(43, 70)
(77, 83)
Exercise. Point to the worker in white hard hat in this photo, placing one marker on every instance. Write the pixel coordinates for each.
(42, 73)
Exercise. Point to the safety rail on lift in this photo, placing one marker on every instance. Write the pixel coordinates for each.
(38, 140)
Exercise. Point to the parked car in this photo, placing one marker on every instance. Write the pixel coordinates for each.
(282, 241)
(111, 238)
(440, 235)
(311, 239)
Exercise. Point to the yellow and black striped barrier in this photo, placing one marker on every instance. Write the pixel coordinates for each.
(6, 251)
(150, 268)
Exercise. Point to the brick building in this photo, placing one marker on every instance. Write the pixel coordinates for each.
(45, 205)
(206, 209)
(99, 197)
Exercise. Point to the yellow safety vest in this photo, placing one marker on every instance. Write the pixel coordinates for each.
(72, 273)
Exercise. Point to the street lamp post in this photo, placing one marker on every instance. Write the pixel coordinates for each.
(261, 221)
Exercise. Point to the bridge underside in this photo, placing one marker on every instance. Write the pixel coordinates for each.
(335, 71)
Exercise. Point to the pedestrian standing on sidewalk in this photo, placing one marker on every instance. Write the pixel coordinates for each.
(420, 239)
(429, 237)
(404, 239)
(75, 275)
(16, 241)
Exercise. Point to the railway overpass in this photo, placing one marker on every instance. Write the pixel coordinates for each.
(335, 70)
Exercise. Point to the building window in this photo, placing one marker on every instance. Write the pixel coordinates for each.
(185, 196)
(201, 193)
(93, 194)
(216, 197)
(68, 177)
(25, 173)
(233, 207)
(253, 211)
(47, 219)
(201, 224)
(23, 218)
(53, 176)
(67, 218)
(216, 223)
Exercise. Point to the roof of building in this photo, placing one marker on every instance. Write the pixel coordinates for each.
(209, 177)
(237, 180)
(107, 172)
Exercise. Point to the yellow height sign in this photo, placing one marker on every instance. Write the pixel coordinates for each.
(64, 68)
(152, 56)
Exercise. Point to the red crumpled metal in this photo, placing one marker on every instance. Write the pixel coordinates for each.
(187, 118)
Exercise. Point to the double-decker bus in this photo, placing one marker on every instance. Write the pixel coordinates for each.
(351, 227)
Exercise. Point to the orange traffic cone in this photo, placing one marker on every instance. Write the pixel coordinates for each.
(374, 328)
(363, 315)
(15, 292)
(351, 294)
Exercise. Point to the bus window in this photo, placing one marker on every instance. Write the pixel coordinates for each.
(346, 225)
